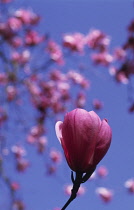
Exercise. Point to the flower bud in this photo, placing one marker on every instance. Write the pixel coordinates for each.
(85, 139)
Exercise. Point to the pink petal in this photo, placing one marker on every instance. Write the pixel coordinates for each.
(58, 129)
(79, 131)
(104, 141)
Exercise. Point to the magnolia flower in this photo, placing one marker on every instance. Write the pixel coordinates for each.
(102, 171)
(129, 184)
(85, 139)
(105, 194)
(68, 188)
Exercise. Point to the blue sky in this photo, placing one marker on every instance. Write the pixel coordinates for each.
(45, 193)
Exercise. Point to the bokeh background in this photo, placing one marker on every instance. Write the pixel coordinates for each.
(41, 191)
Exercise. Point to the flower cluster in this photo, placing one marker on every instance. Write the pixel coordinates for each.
(125, 56)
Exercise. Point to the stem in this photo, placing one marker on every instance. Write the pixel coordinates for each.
(76, 185)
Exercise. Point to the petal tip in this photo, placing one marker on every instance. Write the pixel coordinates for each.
(58, 130)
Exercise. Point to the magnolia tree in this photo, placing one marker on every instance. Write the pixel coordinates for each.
(36, 83)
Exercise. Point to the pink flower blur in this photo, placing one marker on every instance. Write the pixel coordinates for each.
(105, 194)
(96, 39)
(103, 58)
(68, 189)
(55, 156)
(15, 186)
(55, 52)
(27, 16)
(97, 104)
(85, 139)
(74, 42)
(14, 23)
(129, 184)
(102, 171)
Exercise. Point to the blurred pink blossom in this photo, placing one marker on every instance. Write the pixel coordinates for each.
(80, 100)
(103, 58)
(14, 23)
(68, 188)
(55, 52)
(15, 186)
(129, 184)
(78, 78)
(102, 171)
(97, 104)
(105, 194)
(20, 58)
(51, 169)
(11, 92)
(3, 115)
(18, 205)
(57, 75)
(18, 151)
(96, 39)
(120, 76)
(27, 16)
(33, 38)
(16, 42)
(55, 156)
(119, 53)
(41, 144)
(6, 32)
(22, 165)
(3, 78)
(74, 42)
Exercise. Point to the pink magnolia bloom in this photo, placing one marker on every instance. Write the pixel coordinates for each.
(6, 31)
(85, 139)
(129, 184)
(74, 42)
(16, 42)
(96, 39)
(3, 78)
(119, 53)
(18, 205)
(15, 186)
(20, 58)
(68, 189)
(55, 156)
(80, 100)
(22, 165)
(105, 194)
(18, 151)
(27, 16)
(78, 78)
(33, 38)
(11, 92)
(103, 58)
(97, 104)
(41, 144)
(119, 75)
(14, 23)
(102, 171)
(55, 52)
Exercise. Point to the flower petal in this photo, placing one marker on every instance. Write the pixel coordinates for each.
(58, 130)
(79, 132)
(104, 141)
